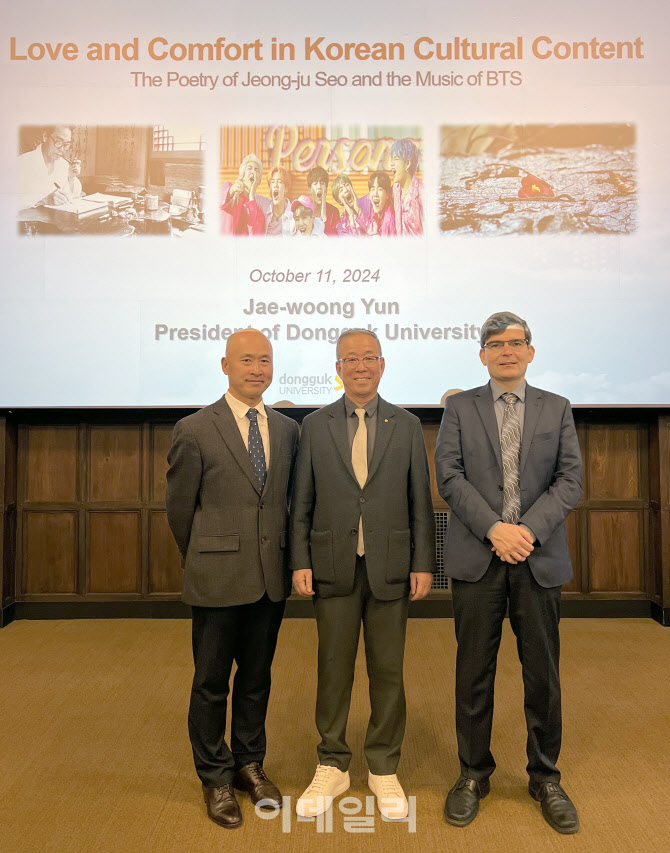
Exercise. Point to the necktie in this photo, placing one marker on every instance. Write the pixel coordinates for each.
(510, 446)
(256, 451)
(359, 461)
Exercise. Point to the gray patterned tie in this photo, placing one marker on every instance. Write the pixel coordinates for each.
(510, 446)
(256, 451)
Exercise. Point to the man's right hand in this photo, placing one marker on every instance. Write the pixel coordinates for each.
(511, 542)
(302, 582)
(56, 197)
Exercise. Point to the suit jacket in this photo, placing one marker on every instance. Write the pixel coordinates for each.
(395, 504)
(232, 537)
(470, 478)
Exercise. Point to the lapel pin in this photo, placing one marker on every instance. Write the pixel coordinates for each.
(386, 420)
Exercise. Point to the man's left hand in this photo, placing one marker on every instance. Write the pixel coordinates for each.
(420, 584)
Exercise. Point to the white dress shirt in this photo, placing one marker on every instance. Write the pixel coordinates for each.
(37, 180)
(239, 410)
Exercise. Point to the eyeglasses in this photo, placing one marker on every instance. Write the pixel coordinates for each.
(496, 346)
(368, 361)
(59, 145)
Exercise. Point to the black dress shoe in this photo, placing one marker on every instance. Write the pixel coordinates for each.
(222, 807)
(462, 803)
(252, 779)
(557, 808)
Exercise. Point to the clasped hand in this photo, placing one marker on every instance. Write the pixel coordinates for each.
(511, 542)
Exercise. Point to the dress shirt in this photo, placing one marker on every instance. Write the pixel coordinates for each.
(239, 410)
(370, 422)
(37, 180)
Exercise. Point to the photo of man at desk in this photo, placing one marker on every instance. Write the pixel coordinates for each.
(128, 180)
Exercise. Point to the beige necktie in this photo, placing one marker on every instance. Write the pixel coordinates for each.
(359, 461)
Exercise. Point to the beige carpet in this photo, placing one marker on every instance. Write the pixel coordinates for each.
(95, 756)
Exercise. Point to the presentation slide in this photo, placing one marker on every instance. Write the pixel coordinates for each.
(173, 172)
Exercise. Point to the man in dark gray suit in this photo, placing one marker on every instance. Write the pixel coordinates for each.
(229, 480)
(508, 464)
(362, 538)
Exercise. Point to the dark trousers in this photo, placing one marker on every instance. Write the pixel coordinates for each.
(339, 626)
(246, 634)
(534, 612)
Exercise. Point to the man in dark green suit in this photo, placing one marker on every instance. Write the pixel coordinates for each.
(362, 538)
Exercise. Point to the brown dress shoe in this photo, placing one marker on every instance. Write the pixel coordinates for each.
(252, 779)
(222, 807)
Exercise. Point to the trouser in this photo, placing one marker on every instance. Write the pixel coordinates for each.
(534, 613)
(246, 634)
(339, 624)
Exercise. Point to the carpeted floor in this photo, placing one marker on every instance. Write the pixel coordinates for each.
(95, 756)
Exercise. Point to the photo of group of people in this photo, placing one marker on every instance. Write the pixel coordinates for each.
(300, 182)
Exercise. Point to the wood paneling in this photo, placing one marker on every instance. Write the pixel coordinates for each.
(109, 469)
(613, 462)
(161, 440)
(50, 549)
(615, 553)
(113, 552)
(51, 464)
(114, 473)
(165, 574)
(572, 529)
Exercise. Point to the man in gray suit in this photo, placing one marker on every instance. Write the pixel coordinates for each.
(508, 464)
(362, 538)
(228, 486)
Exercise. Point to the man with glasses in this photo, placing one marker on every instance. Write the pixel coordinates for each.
(362, 539)
(44, 173)
(508, 464)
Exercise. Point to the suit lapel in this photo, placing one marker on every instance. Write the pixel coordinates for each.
(484, 403)
(226, 424)
(338, 430)
(385, 427)
(275, 430)
(533, 407)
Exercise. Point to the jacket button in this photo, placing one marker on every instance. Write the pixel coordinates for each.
(354, 531)
(261, 507)
(362, 500)
(500, 488)
(264, 541)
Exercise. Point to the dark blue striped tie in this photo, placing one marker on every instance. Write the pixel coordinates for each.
(256, 451)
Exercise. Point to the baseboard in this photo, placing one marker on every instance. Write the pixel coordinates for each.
(7, 615)
(296, 608)
(660, 614)
(102, 610)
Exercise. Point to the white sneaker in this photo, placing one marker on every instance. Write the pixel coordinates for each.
(328, 782)
(391, 799)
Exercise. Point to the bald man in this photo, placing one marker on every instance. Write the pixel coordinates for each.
(231, 466)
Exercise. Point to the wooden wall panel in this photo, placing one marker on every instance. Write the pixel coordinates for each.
(572, 529)
(161, 440)
(50, 549)
(165, 573)
(113, 552)
(115, 463)
(51, 463)
(615, 553)
(110, 470)
(613, 462)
